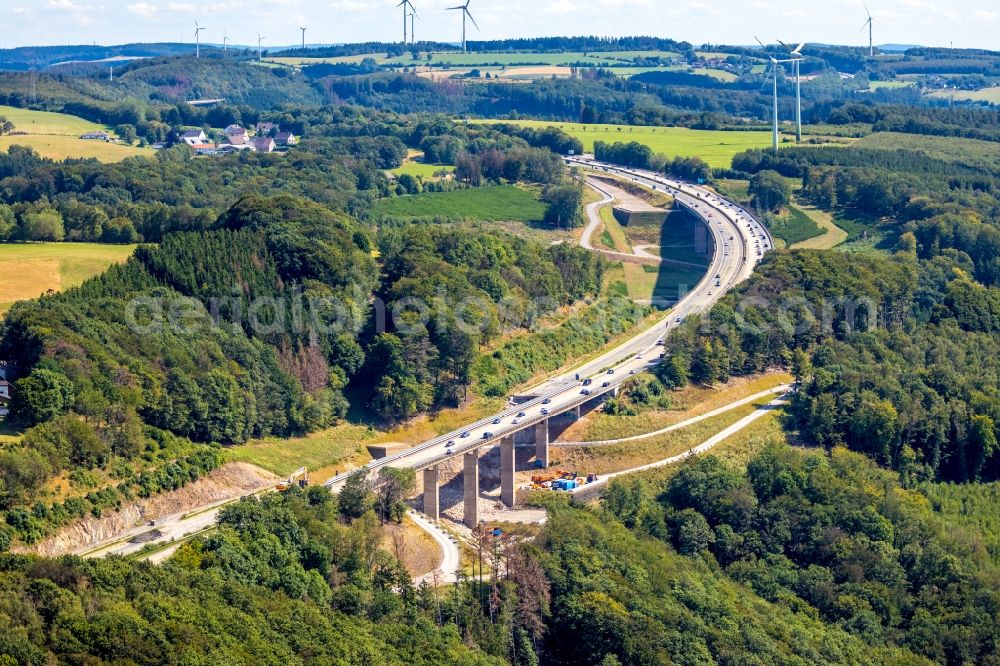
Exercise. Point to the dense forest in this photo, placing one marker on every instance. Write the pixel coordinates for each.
(801, 558)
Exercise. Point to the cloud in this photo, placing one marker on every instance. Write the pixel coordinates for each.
(65, 6)
(143, 9)
(561, 7)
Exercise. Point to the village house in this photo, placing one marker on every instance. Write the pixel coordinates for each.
(236, 131)
(5, 389)
(263, 144)
(204, 149)
(286, 139)
(237, 140)
(264, 128)
(97, 135)
(194, 137)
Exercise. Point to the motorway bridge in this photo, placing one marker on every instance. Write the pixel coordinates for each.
(738, 240)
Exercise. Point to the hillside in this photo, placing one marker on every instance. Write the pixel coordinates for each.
(240, 83)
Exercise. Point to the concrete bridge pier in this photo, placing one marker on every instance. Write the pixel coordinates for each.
(432, 501)
(470, 483)
(507, 485)
(542, 442)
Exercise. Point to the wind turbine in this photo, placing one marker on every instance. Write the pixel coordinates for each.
(465, 13)
(413, 29)
(197, 39)
(303, 29)
(225, 41)
(260, 57)
(797, 58)
(868, 24)
(407, 6)
(774, 67)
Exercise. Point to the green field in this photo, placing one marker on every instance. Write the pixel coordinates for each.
(875, 85)
(991, 95)
(715, 147)
(487, 204)
(794, 226)
(31, 269)
(57, 136)
(720, 74)
(425, 171)
(950, 149)
(456, 59)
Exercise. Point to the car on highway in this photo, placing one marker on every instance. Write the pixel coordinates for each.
(496, 421)
(545, 411)
(605, 384)
(588, 381)
(516, 421)
(547, 401)
(585, 392)
(464, 435)
(449, 448)
(521, 415)
(661, 341)
(487, 435)
(611, 371)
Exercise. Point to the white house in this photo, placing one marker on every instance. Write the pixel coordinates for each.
(194, 137)
(4, 389)
(286, 139)
(97, 135)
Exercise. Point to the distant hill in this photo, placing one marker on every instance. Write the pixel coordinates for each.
(239, 82)
(25, 57)
(897, 48)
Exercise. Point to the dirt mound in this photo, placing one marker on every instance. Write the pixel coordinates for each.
(229, 481)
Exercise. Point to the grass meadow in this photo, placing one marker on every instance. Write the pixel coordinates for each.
(715, 147)
(486, 204)
(57, 136)
(28, 270)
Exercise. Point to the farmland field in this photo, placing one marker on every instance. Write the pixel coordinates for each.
(56, 136)
(31, 269)
(991, 95)
(715, 147)
(456, 59)
(487, 204)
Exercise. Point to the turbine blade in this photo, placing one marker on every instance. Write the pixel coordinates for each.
(760, 42)
(472, 19)
(799, 48)
(867, 11)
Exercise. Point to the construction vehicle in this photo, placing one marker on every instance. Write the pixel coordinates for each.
(290, 482)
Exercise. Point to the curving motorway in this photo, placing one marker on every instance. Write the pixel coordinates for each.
(740, 242)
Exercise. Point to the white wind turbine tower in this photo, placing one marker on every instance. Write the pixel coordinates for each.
(868, 24)
(413, 29)
(797, 59)
(465, 13)
(225, 41)
(303, 29)
(774, 68)
(197, 39)
(260, 57)
(407, 7)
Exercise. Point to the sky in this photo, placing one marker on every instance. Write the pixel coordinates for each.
(965, 23)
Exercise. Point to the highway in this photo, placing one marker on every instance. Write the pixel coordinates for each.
(739, 241)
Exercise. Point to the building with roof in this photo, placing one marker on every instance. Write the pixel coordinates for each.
(286, 139)
(263, 144)
(194, 137)
(96, 135)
